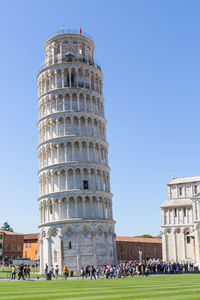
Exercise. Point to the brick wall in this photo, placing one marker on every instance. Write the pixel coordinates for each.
(129, 250)
(12, 245)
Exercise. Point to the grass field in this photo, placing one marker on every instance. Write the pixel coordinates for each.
(158, 287)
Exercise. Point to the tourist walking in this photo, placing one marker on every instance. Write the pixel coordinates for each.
(66, 272)
(52, 271)
(87, 271)
(14, 271)
(21, 272)
(93, 272)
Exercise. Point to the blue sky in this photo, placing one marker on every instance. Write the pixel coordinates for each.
(149, 53)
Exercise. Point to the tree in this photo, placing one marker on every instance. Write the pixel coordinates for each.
(7, 227)
(145, 236)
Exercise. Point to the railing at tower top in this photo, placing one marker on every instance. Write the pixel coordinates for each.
(71, 31)
(69, 59)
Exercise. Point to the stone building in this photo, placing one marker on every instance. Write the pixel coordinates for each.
(181, 221)
(76, 221)
(136, 248)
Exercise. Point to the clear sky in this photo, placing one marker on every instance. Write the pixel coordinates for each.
(149, 53)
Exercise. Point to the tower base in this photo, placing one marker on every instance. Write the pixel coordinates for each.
(77, 243)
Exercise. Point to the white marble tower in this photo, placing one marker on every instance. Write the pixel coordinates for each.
(76, 221)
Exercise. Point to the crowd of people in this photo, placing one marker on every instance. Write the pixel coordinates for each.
(126, 269)
(22, 271)
(135, 268)
(123, 269)
(145, 268)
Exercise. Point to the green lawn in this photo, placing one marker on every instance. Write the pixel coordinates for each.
(159, 287)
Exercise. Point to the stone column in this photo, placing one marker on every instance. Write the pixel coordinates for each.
(70, 78)
(52, 182)
(51, 157)
(56, 79)
(62, 74)
(65, 152)
(78, 251)
(67, 207)
(57, 128)
(197, 261)
(174, 238)
(74, 178)
(83, 202)
(47, 183)
(53, 209)
(94, 153)
(182, 232)
(44, 219)
(41, 257)
(164, 246)
(98, 209)
(61, 252)
(93, 234)
(85, 103)
(48, 251)
(89, 80)
(81, 151)
(76, 208)
(78, 102)
(106, 243)
(88, 151)
(99, 152)
(58, 174)
(57, 147)
(59, 209)
(72, 151)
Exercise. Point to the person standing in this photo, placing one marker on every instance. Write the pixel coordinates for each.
(98, 272)
(52, 271)
(82, 273)
(28, 270)
(56, 271)
(46, 269)
(14, 271)
(25, 271)
(66, 272)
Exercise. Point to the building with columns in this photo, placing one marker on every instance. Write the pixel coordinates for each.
(181, 221)
(76, 221)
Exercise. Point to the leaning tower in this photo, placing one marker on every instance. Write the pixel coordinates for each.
(76, 221)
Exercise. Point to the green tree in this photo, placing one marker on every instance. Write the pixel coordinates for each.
(7, 227)
(145, 236)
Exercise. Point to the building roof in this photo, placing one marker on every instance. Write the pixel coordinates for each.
(10, 232)
(138, 239)
(177, 202)
(184, 180)
(31, 236)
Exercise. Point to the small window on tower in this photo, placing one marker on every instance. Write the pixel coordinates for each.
(69, 245)
(195, 189)
(180, 191)
(175, 212)
(184, 210)
(85, 184)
